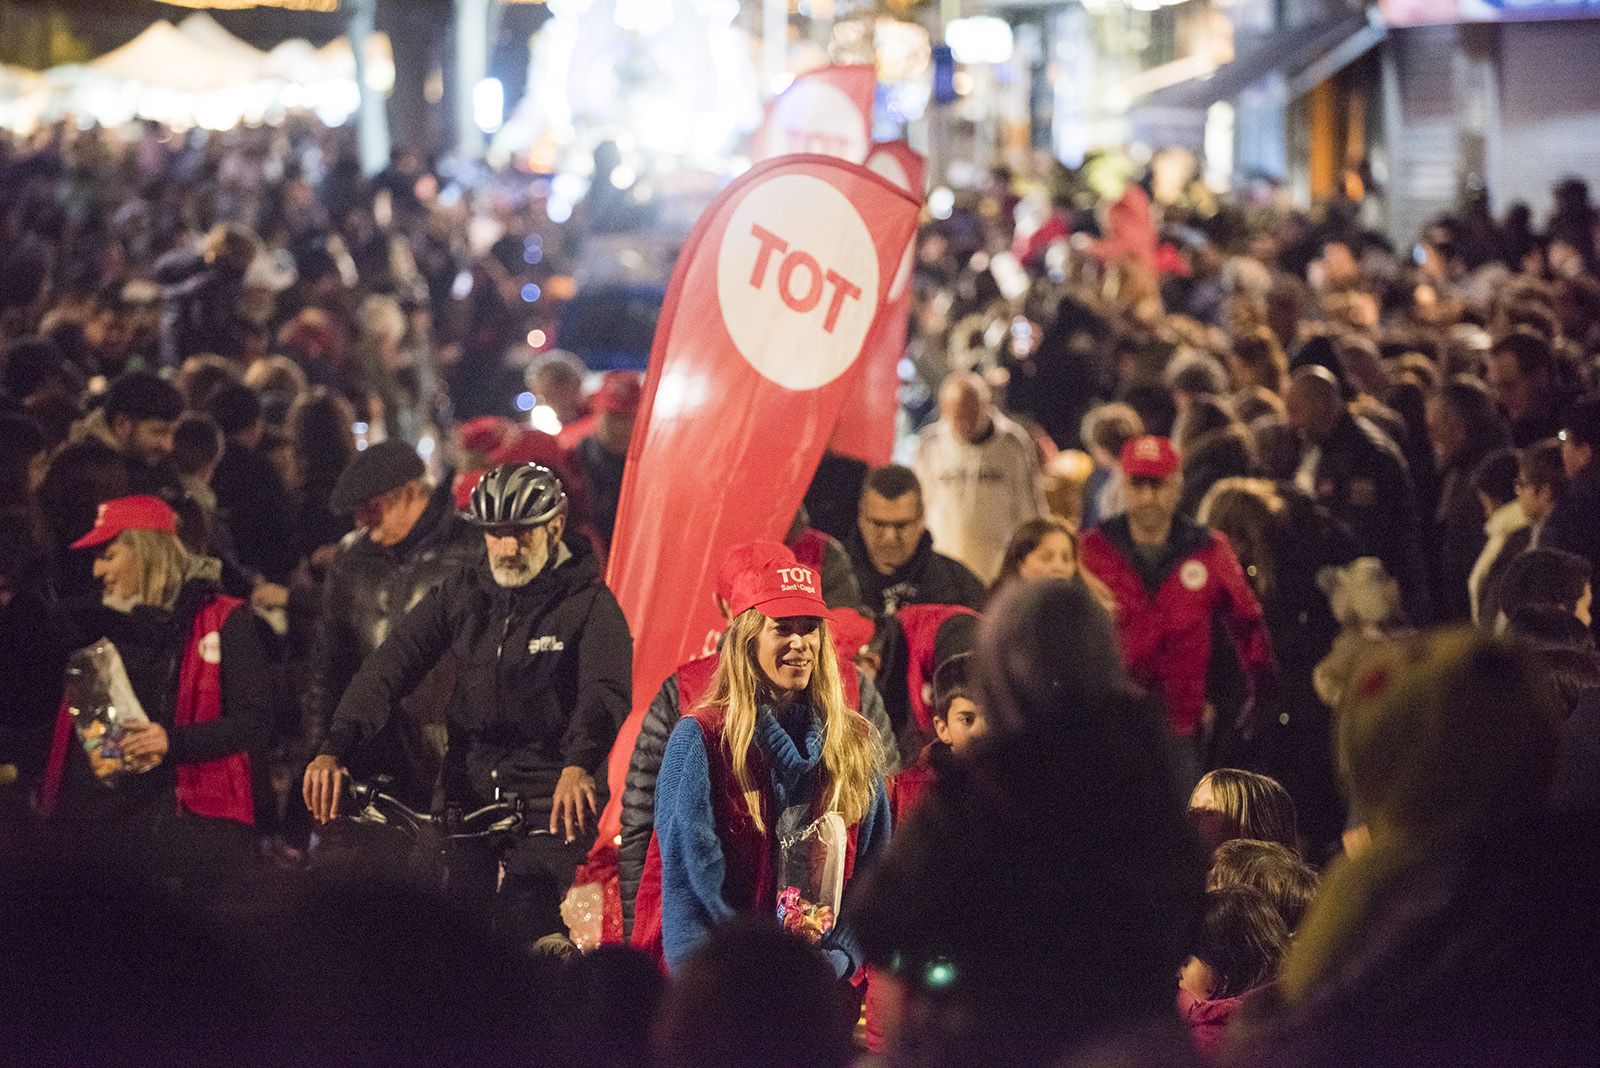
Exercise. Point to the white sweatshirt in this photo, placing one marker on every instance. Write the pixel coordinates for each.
(977, 495)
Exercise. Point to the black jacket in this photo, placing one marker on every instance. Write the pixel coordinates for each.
(258, 511)
(1574, 525)
(152, 642)
(368, 591)
(1363, 481)
(927, 578)
(1458, 537)
(639, 795)
(544, 678)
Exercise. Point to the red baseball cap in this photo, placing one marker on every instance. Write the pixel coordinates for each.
(779, 590)
(1149, 457)
(851, 631)
(128, 513)
(741, 558)
(485, 434)
(620, 392)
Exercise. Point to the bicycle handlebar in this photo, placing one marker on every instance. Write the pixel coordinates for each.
(508, 815)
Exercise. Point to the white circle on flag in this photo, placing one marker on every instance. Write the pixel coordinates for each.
(813, 116)
(1193, 575)
(211, 648)
(890, 169)
(797, 281)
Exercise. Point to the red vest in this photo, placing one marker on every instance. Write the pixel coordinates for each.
(749, 882)
(217, 788)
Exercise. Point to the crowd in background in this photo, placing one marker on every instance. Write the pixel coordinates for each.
(1228, 623)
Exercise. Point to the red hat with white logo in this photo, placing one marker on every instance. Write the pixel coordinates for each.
(1149, 457)
(779, 590)
(752, 554)
(129, 513)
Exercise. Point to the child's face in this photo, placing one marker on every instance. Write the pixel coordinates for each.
(1197, 978)
(961, 726)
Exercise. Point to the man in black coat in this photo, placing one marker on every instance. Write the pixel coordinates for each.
(1464, 428)
(544, 682)
(408, 540)
(1360, 477)
(892, 550)
(1574, 524)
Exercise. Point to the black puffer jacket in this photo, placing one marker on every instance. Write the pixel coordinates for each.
(639, 795)
(543, 679)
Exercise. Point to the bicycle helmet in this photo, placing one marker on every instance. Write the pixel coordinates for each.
(522, 495)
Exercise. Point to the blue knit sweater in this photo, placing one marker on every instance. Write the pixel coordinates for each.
(692, 864)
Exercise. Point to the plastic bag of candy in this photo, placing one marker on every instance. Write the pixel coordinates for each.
(103, 706)
(811, 876)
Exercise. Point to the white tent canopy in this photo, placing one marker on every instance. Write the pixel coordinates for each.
(167, 57)
(215, 38)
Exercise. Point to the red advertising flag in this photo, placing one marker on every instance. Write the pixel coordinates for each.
(866, 426)
(770, 305)
(827, 111)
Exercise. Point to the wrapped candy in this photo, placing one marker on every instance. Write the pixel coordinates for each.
(103, 706)
(811, 876)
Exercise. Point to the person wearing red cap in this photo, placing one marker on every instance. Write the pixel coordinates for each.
(602, 454)
(1171, 578)
(685, 689)
(771, 750)
(199, 669)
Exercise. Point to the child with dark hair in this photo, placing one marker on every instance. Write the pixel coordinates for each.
(1289, 882)
(958, 724)
(1235, 949)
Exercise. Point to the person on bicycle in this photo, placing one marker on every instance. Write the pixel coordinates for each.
(544, 677)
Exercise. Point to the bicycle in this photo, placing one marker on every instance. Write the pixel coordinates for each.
(427, 837)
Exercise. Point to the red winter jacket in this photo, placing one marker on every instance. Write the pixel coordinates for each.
(1166, 632)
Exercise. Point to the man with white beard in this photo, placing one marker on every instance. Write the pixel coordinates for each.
(544, 679)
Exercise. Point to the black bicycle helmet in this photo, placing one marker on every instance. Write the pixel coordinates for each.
(521, 495)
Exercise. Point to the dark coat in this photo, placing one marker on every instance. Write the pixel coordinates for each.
(1574, 525)
(1362, 480)
(544, 679)
(1458, 536)
(257, 511)
(927, 578)
(367, 592)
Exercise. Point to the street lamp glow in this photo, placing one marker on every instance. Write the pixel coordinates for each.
(489, 104)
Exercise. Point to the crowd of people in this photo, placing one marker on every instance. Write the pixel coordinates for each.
(1213, 681)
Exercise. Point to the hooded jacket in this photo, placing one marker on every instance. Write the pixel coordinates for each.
(1164, 619)
(543, 679)
(927, 577)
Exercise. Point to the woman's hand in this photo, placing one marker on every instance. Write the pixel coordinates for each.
(145, 742)
(574, 792)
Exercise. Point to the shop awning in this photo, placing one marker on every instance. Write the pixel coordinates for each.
(1305, 55)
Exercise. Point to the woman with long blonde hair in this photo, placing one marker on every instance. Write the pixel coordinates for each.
(759, 780)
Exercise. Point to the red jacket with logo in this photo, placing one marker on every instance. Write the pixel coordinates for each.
(1164, 619)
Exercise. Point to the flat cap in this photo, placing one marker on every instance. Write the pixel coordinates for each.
(376, 470)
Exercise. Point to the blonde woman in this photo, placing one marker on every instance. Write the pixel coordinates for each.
(198, 667)
(770, 752)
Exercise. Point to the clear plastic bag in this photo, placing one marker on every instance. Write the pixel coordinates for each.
(103, 705)
(811, 876)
